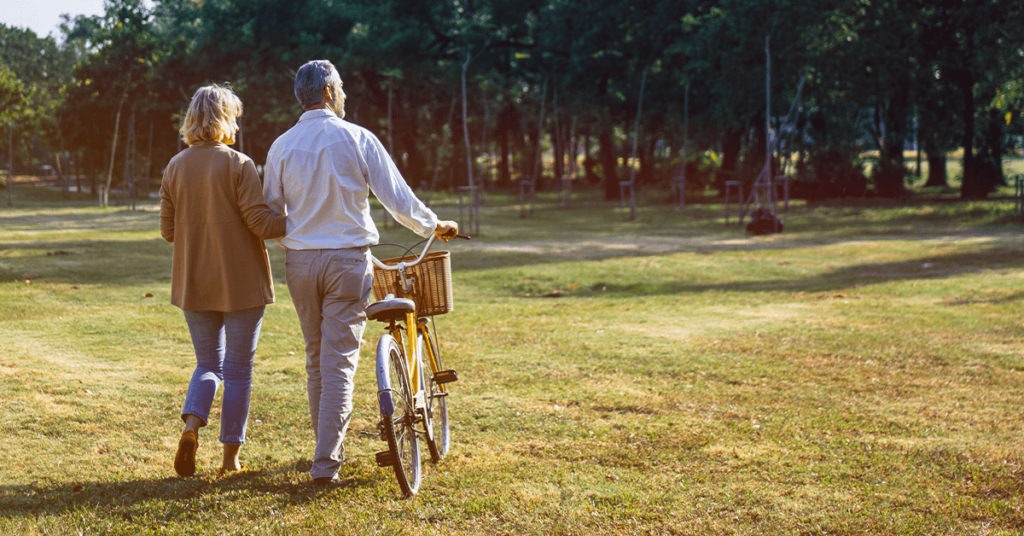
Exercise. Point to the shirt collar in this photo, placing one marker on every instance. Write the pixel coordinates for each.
(206, 143)
(313, 114)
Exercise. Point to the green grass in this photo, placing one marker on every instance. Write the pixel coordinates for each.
(859, 374)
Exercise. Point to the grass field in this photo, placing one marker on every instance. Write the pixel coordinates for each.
(861, 373)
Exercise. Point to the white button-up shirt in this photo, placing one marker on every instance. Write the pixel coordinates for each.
(320, 174)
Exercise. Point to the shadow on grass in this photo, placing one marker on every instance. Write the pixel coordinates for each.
(87, 262)
(174, 497)
(925, 268)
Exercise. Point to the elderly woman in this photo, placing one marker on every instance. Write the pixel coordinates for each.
(212, 209)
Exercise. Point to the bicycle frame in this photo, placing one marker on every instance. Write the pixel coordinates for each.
(411, 319)
(409, 342)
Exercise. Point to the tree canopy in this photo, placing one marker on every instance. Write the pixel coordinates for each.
(878, 77)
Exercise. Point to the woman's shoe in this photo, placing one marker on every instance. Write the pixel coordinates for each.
(185, 458)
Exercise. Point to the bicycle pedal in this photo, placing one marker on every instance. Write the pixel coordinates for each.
(445, 376)
(385, 459)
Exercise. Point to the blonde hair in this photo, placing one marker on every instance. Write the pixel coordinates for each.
(211, 115)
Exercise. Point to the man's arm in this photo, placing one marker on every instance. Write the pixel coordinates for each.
(391, 190)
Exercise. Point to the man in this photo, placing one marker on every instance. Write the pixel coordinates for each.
(320, 174)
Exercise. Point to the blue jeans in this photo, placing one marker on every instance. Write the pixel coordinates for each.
(225, 345)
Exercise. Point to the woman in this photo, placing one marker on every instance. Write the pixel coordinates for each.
(212, 209)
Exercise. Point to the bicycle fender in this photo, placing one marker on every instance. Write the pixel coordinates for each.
(387, 404)
(384, 396)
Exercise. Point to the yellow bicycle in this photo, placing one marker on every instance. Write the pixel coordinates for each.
(411, 289)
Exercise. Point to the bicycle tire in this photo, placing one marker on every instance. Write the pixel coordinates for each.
(437, 407)
(399, 432)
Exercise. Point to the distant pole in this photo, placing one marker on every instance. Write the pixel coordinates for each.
(10, 165)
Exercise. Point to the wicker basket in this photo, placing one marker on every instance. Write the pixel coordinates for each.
(431, 287)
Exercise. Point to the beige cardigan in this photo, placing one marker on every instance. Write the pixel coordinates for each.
(212, 209)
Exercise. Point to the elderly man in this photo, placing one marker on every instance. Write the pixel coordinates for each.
(320, 174)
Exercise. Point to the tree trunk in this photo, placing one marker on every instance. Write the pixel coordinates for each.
(646, 155)
(506, 129)
(608, 158)
(890, 175)
(465, 124)
(969, 188)
(105, 194)
(557, 151)
(589, 162)
(731, 146)
(538, 162)
(149, 162)
(504, 174)
(78, 174)
(937, 169)
(10, 165)
(61, 176)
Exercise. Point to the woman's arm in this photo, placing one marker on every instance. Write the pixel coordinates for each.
(166, 211)
(253, 207)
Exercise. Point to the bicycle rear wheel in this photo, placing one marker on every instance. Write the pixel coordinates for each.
(398, 414)
(437, 403)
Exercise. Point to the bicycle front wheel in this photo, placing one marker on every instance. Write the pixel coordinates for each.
(439, 441)
(398, 414)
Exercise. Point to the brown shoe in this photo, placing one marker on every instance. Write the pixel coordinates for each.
(185, 458)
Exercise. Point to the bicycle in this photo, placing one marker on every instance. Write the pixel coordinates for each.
(411, 289)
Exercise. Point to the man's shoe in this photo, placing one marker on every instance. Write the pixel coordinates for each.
(185, 458)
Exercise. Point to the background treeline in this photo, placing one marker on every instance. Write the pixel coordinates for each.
(560, 76)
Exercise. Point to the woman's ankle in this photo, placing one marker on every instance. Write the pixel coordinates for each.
(231, 462)
(192, 424)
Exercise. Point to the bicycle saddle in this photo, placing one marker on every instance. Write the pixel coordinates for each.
(390, 309)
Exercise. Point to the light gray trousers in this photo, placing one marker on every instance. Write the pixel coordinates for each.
(330, 289)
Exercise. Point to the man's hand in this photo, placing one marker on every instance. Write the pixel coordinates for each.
(446, 230)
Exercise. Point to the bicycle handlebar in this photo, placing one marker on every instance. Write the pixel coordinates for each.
(426, 249)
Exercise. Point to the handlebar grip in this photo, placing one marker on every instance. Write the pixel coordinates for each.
(462, 236)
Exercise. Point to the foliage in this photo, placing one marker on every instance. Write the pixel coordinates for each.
(33, 72)
(877, 75)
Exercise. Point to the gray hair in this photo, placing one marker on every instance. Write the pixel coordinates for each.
(311, 79)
